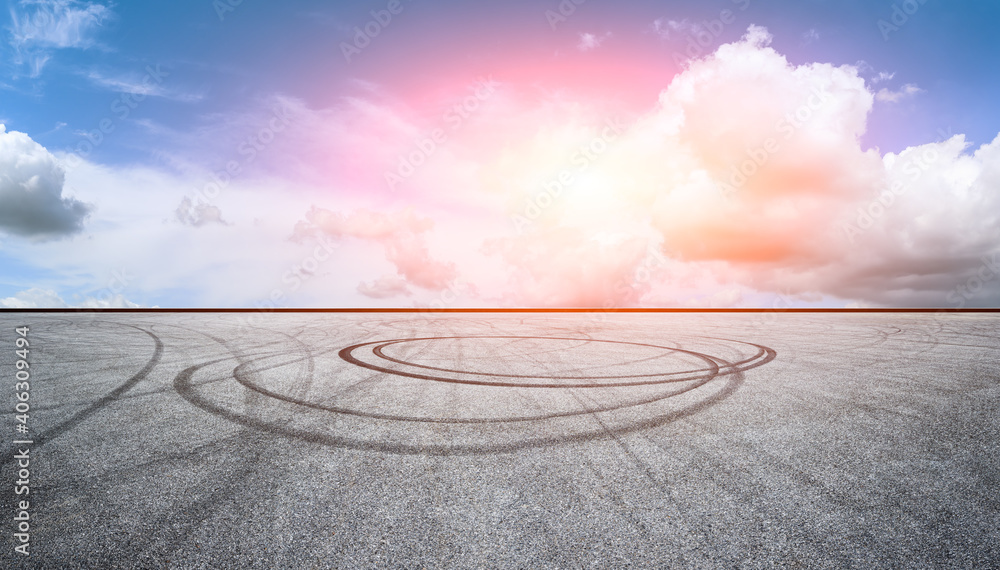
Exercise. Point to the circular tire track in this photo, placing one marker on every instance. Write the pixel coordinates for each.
(713, 367)
(346, 407)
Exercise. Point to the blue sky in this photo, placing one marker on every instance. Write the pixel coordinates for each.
(181, 88)
(261, 48)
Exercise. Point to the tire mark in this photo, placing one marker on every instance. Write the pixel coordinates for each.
(100, 404)
(185, 386)
(347, 355)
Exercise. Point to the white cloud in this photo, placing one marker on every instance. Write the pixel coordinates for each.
(41, 25)
(401, 234)
(141, 85)
(36, 298)
(117, 301)
(32, 203)
(56, 23)
(133, 231)
(591, 41)
(198, 214)
(643, 222)
(666, 28)
(882, 76)
(886, 95)
(781, 228)
(756, 36)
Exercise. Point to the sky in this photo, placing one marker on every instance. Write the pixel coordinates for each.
(573, 153)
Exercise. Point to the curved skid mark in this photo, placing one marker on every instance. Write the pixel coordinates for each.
(184, 387)
(241, 377)
(243, 373)
(378, 352)
(90, 410)
(347, 355)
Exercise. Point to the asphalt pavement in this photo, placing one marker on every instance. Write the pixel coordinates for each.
(510, 440)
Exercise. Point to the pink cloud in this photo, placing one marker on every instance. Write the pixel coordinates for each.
(746, 164)
(400, 234)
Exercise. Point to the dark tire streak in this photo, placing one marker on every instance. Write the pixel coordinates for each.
(347, 355)
(97, 406)
(186, 387)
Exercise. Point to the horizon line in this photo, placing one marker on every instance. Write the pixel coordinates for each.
(496, 310)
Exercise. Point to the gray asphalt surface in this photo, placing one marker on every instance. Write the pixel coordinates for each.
(507, 440)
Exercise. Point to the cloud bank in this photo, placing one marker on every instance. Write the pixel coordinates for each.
(745, 180)
(748, 165)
